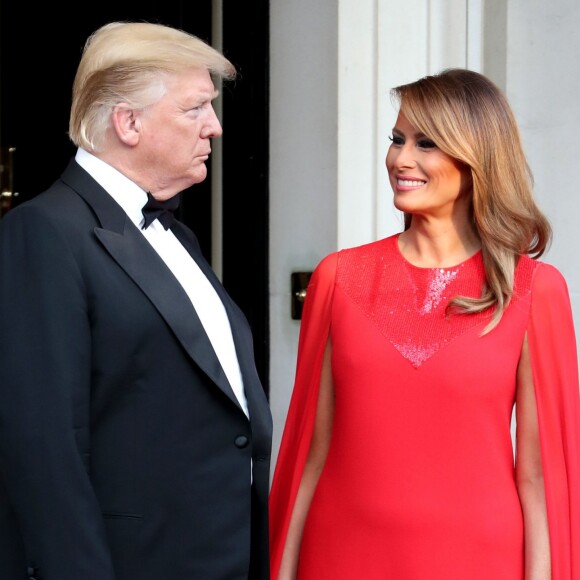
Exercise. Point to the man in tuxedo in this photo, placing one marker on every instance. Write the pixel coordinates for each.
(135, 435)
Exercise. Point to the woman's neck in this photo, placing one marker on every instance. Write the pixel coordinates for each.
(437, 245)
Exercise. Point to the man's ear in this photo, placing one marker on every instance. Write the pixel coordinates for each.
(126, 123)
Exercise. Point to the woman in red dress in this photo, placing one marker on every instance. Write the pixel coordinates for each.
(397, 459)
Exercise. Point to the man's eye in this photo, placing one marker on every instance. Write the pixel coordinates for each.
(397, 140)
(200, 107)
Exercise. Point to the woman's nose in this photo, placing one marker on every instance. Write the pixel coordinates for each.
(400, 157)
(405, 156)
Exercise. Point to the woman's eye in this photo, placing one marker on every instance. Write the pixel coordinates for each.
(397, 140)
(426, 144)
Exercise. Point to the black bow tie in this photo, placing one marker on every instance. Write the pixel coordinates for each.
(161, 210)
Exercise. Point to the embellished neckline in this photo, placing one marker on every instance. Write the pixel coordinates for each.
(477, 256)
(408, 304)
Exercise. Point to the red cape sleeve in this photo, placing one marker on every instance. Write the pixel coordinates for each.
(295, 443)
(552, 344)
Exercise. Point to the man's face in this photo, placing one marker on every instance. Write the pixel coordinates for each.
(176, 132)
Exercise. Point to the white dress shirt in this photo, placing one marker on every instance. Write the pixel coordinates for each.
(202, 294)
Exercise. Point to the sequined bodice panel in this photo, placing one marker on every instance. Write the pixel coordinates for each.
(408, 304)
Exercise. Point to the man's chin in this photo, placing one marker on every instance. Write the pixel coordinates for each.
(198, 174)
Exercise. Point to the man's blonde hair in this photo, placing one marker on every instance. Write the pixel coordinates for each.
(127, 62)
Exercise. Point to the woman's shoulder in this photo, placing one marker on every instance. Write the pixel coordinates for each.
(328, 265)
(538, 277)
(325, 270)
(548, 280)
(369, 254)
(375, 247)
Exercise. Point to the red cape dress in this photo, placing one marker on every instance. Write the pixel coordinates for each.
(419, 479)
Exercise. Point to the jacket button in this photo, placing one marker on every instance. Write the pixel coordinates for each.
(241, 441)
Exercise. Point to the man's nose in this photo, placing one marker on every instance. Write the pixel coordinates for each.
(213, 127)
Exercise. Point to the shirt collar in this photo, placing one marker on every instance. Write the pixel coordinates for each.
(124, 191)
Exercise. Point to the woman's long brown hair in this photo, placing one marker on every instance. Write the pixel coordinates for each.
(469, 118)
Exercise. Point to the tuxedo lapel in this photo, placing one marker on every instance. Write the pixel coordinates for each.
(257, 402)
(151, 274)
(136, 256)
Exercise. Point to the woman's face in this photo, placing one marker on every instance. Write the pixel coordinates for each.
(425, 180)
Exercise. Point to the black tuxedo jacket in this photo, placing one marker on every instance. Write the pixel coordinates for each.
(124, 454)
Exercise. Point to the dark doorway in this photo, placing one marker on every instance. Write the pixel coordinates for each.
(39, 52)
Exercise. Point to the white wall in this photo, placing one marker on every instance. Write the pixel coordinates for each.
(332, 64)
(543, 85)
(303, 168)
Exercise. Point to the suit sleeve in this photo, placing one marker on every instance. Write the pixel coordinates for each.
(314, 332)
(552, 343)
(45, 379)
